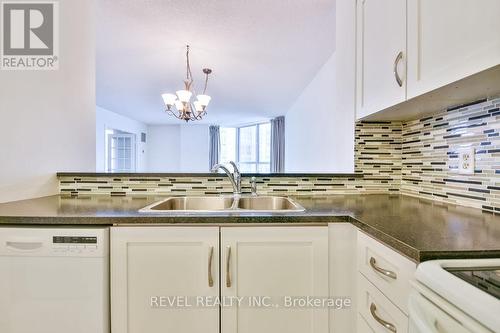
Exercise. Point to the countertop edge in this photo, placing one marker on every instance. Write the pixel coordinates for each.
(165, 219)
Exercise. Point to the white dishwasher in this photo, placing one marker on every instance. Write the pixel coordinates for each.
(54, 280)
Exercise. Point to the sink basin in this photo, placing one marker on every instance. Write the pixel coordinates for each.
(267, 203)
(229, 204)
(193, 204)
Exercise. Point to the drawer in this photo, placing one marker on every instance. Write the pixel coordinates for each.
(362, 326)
(379, 313)
(388, 270)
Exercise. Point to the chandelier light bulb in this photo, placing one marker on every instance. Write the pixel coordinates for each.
(169, 99)
(179, 105)
(198, 106)
(184, 95)
(204, 99)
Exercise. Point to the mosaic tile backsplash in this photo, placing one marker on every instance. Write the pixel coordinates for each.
(418, 158)
(430, 148)
(219, 185)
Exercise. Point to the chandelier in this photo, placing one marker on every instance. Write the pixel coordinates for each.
(179, 104)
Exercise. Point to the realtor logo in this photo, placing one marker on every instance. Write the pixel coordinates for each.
(29, 35)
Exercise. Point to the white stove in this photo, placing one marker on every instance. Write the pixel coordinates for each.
(456, 296)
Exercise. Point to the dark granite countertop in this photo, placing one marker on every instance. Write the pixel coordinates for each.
(418, 228)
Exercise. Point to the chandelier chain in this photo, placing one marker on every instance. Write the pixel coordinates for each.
(189, 75)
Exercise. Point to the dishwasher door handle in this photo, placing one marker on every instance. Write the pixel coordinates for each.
(24, 245)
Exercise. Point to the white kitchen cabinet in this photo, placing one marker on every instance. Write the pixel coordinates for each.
(449, 40)
(388, 270)
(343, 272)
(380, 56)
(379, 313)
(407, 48)
(383, 286)
(275, 262)
(153, 262)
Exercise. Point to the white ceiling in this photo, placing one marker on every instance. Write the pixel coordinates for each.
(263, 54)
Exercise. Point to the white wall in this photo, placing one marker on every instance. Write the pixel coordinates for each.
(178, 148)
(316, 131)
(106, 119)
(195, 148)
(345, 89)
(47, 118)
(320, 125)
(163, 148)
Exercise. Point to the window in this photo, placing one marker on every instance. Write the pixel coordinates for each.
(120, 151)
(248, 146)
(227, 144)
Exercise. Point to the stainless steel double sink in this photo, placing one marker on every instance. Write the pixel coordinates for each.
(229, 204)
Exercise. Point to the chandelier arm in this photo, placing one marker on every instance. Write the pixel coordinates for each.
(195, 115)
(200, 115)
(172, 113)
(193, 112)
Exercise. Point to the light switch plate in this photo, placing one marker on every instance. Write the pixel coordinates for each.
(466, 161)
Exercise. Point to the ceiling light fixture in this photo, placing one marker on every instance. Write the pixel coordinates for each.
(179, 104)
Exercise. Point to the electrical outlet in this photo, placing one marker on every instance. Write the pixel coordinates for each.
(466, 161)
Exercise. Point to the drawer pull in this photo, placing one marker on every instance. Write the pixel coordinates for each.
(210, 260)
(386, 324)
(385, 272)
(438, 327)
(228, 267)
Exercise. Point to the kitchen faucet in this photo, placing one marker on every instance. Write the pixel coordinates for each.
(234, 178)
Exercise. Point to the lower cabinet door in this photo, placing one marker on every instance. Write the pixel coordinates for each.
(270, 272)
(157, 276)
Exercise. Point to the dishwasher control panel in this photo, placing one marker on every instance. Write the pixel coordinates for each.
(74, 244)
(57, 241)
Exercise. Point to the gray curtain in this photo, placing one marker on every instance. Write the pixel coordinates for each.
(278, 145)
(214, 146)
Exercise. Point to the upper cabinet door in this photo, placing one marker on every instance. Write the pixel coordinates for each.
(381, 55)
(149, 262)
(449, 40)
(274, 262)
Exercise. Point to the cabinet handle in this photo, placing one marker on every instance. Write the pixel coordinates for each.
(210, 260)
(386, 324)
(385, 272)
(437, 326)
(228, 266)
(396, 73)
